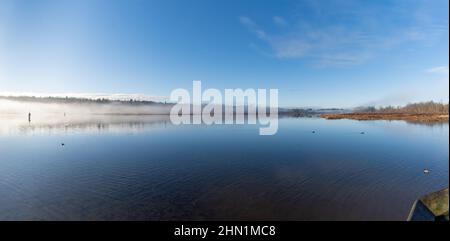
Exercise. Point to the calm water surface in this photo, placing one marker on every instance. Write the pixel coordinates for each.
(143, 168)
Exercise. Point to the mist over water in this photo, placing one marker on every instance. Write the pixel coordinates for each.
(36, 108)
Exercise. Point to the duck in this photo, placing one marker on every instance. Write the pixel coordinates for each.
(362, 133)
(426, 171)
(62, 144)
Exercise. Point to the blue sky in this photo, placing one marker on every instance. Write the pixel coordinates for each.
(325, 53)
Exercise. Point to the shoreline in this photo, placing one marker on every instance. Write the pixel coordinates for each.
(423, 118)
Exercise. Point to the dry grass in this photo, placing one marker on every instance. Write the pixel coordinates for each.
(389, 116)
(437, 202)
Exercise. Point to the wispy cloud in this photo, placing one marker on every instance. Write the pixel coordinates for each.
(279, 21)
(344, 32)
(253, 27)
(319, 45)
(438, 70)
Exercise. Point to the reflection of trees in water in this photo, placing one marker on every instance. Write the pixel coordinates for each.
(92, 124)
(416, 123)
(430, 124)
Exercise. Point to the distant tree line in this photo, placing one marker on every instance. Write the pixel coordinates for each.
(74, 100)
(414, 108)
(307, 112)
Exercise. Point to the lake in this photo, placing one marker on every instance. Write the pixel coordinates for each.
(145, 168)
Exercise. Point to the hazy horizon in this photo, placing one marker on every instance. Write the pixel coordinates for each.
(166, 99)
